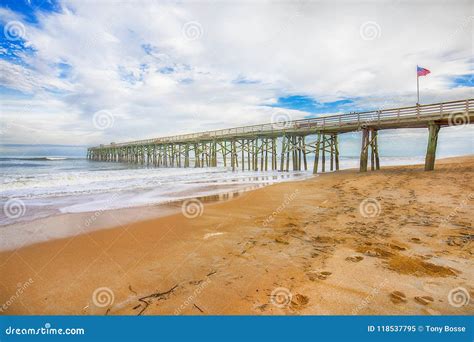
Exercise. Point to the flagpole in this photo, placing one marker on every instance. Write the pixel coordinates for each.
(418, 89)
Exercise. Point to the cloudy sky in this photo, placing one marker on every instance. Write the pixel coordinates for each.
(88, 72)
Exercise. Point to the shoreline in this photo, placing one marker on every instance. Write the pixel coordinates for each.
(85, 204)
(52, 227)
(230, 258)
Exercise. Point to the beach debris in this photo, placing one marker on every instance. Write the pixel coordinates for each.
(211, 273)
(398, 297)
(209, 235)
(197, 307)
(157, 295)
(131, 290)
(425, 300)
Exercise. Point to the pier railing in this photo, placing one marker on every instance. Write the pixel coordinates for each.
(330, 122)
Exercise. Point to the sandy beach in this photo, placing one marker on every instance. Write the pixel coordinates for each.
(394, 241)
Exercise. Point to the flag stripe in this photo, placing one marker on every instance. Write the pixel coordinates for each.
(422, 71)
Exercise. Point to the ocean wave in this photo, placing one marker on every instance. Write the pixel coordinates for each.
(37, 158)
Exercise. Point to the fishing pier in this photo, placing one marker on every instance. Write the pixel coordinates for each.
(284, 146)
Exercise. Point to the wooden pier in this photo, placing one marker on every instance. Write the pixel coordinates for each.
(274, 146)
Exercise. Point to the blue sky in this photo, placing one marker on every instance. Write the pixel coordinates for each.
(312, 106)
(87, 72)
(29, 9)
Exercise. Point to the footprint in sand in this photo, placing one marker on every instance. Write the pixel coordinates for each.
(425, 300)
(318, 275)
(397, 247)
(372, 253)
(355, 258)
(262, 307)
(299, 300)
(398, 297)
(323, 275)
(280, 240)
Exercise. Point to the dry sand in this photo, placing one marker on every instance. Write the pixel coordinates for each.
(394, 241)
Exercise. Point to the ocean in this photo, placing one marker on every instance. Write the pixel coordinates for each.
(43, 186)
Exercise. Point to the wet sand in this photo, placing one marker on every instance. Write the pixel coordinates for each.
(395, 241)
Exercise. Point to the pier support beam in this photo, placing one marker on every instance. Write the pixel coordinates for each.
(364, 151)
(316, 155)
(326, 143)
(375, 147)
(369, 141)
(433, 129)
(282, 157)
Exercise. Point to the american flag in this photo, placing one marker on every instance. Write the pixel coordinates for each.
(421, 71)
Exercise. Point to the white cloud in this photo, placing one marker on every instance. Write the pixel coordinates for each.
(116, 50)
